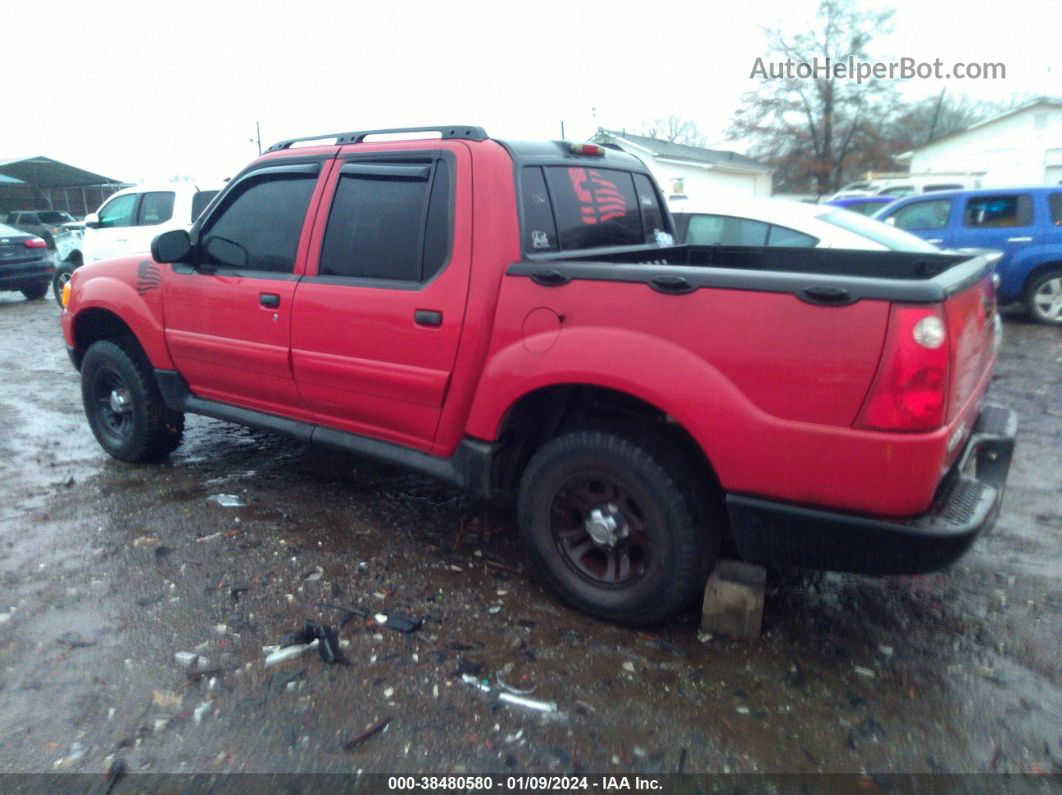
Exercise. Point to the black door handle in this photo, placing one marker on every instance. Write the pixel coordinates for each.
(549, 278)
(270, 300)
(673, 285)
(427, 317)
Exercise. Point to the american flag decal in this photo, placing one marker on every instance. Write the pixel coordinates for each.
(599, 198)
(147, 276)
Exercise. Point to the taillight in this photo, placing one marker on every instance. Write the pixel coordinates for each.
(910, 389)
(35, 242)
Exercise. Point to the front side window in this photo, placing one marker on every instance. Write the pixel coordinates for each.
(923, 215)
(118, 212)
(389, 221)
(156, 207)
(258, 227)
(998, 212)
(725, 230)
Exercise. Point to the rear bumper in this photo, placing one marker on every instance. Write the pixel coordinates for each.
(966, 504)
(15, 276)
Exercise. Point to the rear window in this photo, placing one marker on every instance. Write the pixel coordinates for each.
(998, 212)
(577, 207)
(8, 231)
(893, 239)
(1055, 202)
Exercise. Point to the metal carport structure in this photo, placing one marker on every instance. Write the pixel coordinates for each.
(36, 183)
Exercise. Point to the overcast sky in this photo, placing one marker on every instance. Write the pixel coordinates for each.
(146, 91)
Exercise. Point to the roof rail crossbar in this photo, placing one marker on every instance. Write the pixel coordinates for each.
(467, 131)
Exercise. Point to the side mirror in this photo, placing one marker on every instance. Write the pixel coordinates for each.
(92, 220)
(172, 246)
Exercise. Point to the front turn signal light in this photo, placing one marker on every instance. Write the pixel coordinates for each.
(66, 294)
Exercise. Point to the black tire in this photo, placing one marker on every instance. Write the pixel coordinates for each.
(35, 291)
(62, 276)
(1043, 298)
(649, 493)
(124, 407)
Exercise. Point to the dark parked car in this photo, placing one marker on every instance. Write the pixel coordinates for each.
(45, 224)
(24, 263)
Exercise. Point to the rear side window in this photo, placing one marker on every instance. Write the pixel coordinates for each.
(540, 230)
(998, 212)
(200, 202)
(118, 212)
(1054, 200)
(156, 207)
(258, 228)
(389, 221)
(931, 214)
(725, 230)
(790, 238)
(943, 186)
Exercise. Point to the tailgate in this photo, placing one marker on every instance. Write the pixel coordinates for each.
(973, 328)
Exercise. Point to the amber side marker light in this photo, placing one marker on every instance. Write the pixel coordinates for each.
(66, 294)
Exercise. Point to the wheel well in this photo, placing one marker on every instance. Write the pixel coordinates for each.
(543, 414)
(93, 325)
(1035, 273)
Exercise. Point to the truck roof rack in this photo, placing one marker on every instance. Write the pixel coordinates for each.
(467, 131)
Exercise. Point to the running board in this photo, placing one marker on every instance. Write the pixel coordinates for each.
(469, 467)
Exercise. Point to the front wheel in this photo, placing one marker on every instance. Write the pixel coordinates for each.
(1043, 299)
(614, 526)
(62, 276)
(124, 407)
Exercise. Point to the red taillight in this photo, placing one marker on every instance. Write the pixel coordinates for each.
(587, 149)
(35, 242)
(910, 390)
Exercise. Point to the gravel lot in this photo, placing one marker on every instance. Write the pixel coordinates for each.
(108, 570)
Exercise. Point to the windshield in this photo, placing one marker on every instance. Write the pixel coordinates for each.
(890, 237)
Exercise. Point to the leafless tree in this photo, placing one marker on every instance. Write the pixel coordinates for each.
(816, 129)
(673, 129)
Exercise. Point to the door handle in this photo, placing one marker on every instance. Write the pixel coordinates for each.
(427, 317)
(936, 241)
(672, 285)
(269, 300)
(1021, 239)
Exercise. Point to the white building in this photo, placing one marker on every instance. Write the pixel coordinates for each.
(1020, 147)
(692, 172)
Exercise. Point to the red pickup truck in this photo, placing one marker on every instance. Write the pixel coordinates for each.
(515, 319)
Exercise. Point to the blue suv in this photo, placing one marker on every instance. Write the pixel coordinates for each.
(1023, 223)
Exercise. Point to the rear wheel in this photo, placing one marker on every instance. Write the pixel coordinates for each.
(615, 527)
(1043, 299)
(124, 407)
(33, 292)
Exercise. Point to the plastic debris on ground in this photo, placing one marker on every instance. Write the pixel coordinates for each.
(400, 623)
(228, 500)
(312, 636)
(191, 661)
(372, 731)
(509, 698)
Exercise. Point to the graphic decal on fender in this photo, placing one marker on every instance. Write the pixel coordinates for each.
(147, 276)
